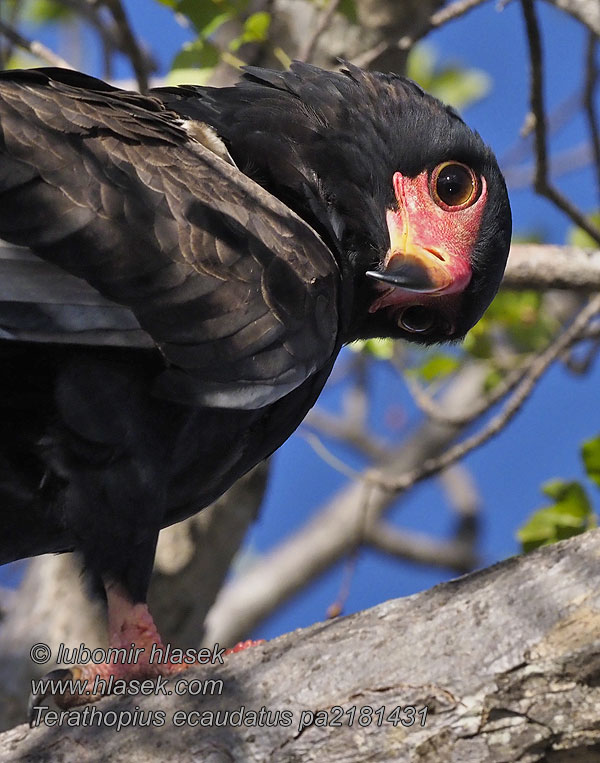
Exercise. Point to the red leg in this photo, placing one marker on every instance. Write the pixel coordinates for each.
(130, 628)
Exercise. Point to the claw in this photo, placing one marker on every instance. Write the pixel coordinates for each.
(61, 674)
(243, 645)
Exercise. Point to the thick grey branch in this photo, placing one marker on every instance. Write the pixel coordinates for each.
(335, 531)
(505, 661)
(586, 11)
(545, 266)
(36, 48)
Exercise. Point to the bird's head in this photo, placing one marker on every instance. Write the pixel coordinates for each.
(409, 197)
(445, 257)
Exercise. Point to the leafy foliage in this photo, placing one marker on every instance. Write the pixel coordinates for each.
(382, 349)
(194, 63)
(43, 11)
(197, 59)
(256, 29)
(450, 82)
(520, 316)
(571, 512)
(348, 9)
(578, 237)
(590, 453)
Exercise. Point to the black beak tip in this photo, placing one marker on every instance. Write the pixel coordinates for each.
(409, 276)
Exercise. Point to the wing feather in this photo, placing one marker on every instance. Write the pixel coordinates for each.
(240, 295)
(39, 302)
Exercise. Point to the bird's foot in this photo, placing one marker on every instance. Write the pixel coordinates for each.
(241, 645)
(136, 662)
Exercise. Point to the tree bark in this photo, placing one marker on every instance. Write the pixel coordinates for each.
(505, 660)
(192, 560)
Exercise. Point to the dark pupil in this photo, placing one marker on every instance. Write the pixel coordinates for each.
(454, 185)
(417, 319)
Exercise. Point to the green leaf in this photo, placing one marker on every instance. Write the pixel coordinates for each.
(193, 64)
(437, 367)
(459, 87)
(382, 349)
(590, 453)
(256, 29)
(478, 342)
(570, 497)
(451, 83)
(206, 15)
(47, 12)
(518, 315)
(348, 9)
(420, 65)
(492, 379)
(570, 515)
(578, 237)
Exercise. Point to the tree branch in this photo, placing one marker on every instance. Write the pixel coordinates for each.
(450, 12)
(37, 49)
(437, 19)
(130, 44)
(542, 182)
(505, 660)
(546, 266)
(591, 82)
(106, 27)
(421, 548)
(336, 529)
(585, 11)
(306, 52)
(539, 365)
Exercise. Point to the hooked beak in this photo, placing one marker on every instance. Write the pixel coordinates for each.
(415, 267)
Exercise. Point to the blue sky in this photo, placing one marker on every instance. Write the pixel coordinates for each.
(543, 440)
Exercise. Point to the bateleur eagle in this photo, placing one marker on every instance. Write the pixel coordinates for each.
(196, 259)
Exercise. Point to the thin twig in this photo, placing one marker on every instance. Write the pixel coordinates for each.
(428, 405)
(36, 48)
(341, 428)
(336, 608)
(106, 27)
(526, 379)
(561, 163)
(11, 19)
(443, 16)
(421, 548)
(465, 500)
(307, 50)
(541, 363)
(591, 81)
(330, 458)
(437, 19)
(559, 117)
(542, 183)
(129, 44)
(582, 365)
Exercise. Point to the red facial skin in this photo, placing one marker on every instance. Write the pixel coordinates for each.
(435, 237)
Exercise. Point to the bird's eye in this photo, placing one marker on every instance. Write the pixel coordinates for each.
(454, 186)
(417, 319)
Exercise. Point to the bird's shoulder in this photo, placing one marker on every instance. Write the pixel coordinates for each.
(239, 294)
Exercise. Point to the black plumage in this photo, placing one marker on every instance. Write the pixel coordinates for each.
(188, 288)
